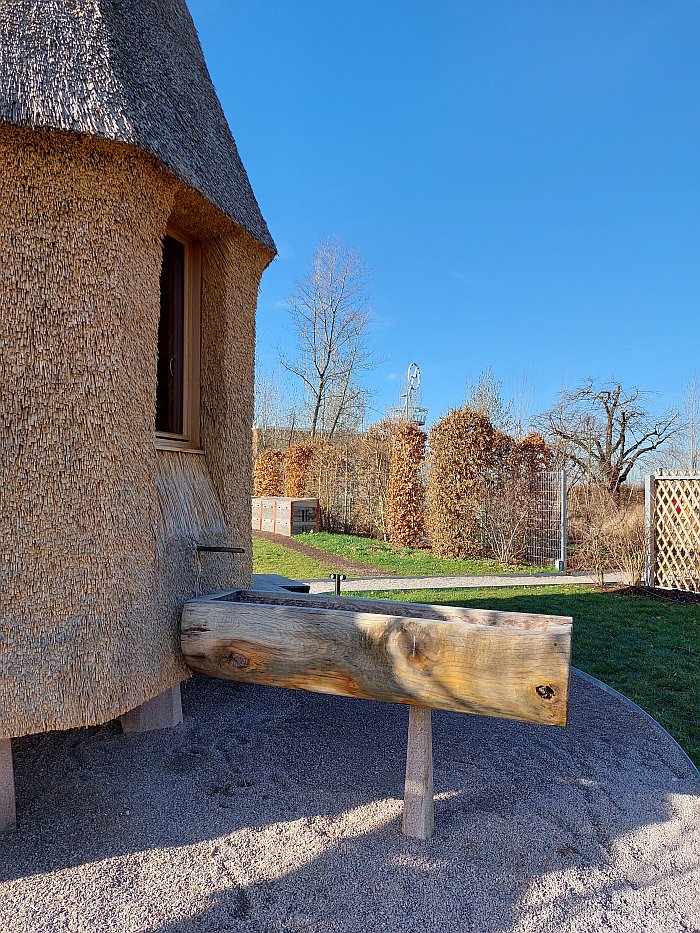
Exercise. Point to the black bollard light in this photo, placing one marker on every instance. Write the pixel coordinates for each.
(336, 578)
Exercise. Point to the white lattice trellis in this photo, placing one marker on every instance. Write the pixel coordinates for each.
(673, 526)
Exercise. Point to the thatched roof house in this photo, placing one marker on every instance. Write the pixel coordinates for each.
(131, 250)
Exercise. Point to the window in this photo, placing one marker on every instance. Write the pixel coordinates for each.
(177, 392)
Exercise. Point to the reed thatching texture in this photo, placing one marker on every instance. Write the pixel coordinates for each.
(129, 71)
(97, 528)
(297, 465)
(405, 492)
(191, 514)
(231, 271)
(80, 256)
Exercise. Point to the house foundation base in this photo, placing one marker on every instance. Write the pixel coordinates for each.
(8, 814)
(162, 712)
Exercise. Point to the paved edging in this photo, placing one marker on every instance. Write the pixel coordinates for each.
(468, 581)
(638, 709)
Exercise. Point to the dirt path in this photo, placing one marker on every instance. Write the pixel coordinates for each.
(336, 562)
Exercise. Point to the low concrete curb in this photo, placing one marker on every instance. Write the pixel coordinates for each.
(361, 585)
(642, 712)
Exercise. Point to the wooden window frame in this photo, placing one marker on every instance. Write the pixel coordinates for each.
(190, 438)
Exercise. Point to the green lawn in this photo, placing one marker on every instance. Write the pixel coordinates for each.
(407, 562)
(645, 648)
(270, 557)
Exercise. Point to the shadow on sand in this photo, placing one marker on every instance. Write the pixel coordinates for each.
(279, 810)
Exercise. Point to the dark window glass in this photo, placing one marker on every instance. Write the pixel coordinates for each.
(171, 339)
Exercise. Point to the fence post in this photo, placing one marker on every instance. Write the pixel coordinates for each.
(649, 495)
(564, 533)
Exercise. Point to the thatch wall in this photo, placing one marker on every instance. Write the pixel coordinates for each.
(97, 527)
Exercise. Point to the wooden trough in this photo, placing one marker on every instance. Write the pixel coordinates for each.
(504, 664)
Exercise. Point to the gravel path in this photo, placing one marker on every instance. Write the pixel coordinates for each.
(277, 811)
(463, 582)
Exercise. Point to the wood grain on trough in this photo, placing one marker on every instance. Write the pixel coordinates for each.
(509, 665)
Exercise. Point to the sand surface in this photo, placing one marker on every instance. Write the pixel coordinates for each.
(273, 810)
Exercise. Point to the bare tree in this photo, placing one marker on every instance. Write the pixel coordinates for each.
(486, 397)
(276, 415)
(691, 404)
(682, 454)
(605, 430)
(330, 316)
(522, 406)
(512, 415)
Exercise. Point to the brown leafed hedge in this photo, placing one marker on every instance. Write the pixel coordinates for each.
(462, 453)
(372, 457)
(405, 492)
(483, 487)
(511, 510)
(533, 456)
(268, 477)
(297, 467)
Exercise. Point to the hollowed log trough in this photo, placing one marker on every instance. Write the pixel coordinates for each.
(505, 664)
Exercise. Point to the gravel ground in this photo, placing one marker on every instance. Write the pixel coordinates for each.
(272, 810)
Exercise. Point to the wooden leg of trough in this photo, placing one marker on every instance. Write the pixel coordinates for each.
(8, 814)
(162, 712)
(418, 805)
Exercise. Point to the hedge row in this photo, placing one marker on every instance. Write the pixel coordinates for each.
(474, 494)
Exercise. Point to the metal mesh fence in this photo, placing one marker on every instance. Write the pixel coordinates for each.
(547, 534)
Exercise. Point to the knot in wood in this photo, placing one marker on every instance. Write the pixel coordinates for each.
(544, 691)
(417, 647)
(236, 661)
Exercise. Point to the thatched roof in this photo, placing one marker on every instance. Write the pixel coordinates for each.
(131, 71)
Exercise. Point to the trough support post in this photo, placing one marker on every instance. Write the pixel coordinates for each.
(162, 712)
(419, 806)
(8, 814)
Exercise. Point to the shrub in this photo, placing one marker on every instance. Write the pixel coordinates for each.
(331, 481)
(297, 464)
(267, 475)
(461, 454)
(405, 493)
(372, 456)
(511, 494)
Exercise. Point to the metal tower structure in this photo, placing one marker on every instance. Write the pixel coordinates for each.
(409, 410)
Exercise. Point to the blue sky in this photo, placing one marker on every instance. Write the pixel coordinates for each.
(523, 178)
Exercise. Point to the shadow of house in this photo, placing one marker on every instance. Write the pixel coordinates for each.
(132, 248)
(282, 809)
